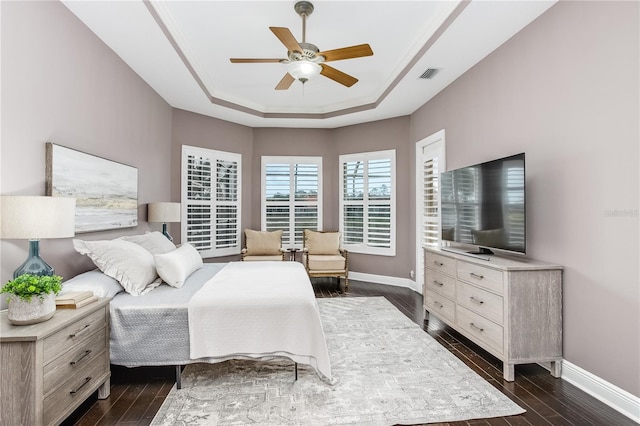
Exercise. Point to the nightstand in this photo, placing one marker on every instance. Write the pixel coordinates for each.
(48, 369)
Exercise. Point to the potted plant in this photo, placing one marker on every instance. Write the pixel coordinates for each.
(32, 298)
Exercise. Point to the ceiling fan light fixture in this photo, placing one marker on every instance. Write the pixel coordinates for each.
(303, 70)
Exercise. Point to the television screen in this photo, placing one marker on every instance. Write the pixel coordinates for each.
(484, 205)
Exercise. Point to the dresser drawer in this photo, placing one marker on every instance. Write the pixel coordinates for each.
(64, 339)
(75, 389)
(480, 275)
(440, 283)
(440, 263)
(485, 303)
(68, 363)
(484, 330)
(440, 306)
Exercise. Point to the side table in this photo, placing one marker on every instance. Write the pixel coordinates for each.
(50, 368)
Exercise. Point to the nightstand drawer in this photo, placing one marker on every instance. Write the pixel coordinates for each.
(76, 389)
(64, 339)
(440, 306)
(66, 365)
(484, 277)
(440, 263)
(485, 303)
(440, 283)
(483, 329)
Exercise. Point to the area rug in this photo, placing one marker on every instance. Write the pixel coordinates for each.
(387, 371)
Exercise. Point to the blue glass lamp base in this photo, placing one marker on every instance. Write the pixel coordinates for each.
(34, 264)
(165, 233)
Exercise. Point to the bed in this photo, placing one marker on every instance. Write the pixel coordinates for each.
(255, 310)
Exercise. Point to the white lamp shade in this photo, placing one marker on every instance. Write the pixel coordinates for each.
(305, 70)
(163, 212)
(37, 217)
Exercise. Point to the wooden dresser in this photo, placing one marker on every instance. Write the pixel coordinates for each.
(510, 307)
(48, 369)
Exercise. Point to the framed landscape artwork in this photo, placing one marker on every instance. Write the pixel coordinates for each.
(106, 192)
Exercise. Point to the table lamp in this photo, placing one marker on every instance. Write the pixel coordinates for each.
(163, 212)
(33, 218)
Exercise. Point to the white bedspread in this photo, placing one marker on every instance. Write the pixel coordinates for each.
(258, 310)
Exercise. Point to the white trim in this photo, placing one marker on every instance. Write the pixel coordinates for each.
(383, 279)
(438, 141)
(616, 398)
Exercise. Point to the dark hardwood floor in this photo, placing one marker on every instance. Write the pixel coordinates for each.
(138, 393)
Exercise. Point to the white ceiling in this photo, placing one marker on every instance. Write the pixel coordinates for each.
(182, 50)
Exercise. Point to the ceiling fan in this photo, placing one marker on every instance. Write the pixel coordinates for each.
(304, 60)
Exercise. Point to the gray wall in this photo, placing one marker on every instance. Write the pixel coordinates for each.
(565, 91)
(61, 84)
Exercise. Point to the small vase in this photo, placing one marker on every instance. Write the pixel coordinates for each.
(36, 310)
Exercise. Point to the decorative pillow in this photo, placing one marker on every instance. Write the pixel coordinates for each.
(129, 263)
(154, 241)
(99, 283)
(176, 266)
(322, 242)
(262, 243)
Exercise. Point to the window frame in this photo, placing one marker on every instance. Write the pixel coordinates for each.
(213, 204)
(291, 161)
(365, 157)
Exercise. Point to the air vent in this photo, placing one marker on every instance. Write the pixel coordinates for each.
(430, 73)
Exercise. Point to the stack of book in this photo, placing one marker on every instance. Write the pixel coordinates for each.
(75, 299)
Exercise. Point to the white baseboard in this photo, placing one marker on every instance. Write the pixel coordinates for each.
(383, 279)
(616, 398)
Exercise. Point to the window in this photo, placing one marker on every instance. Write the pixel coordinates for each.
(292, 196)
(211, 201)
(430, 162)
(367, 202)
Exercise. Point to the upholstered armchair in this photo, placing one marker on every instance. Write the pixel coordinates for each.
(262, 245)
(323, 257)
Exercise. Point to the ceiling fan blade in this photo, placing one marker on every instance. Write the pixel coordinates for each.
(253, 60)
(347, 53)
(286, 82)
(285, 36)
(338, 76)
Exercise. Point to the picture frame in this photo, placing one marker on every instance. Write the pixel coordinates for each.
(106, 191)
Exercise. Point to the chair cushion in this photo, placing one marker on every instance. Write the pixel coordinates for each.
(322, 242)
(253, 258)
(261, 243)
(333, 262)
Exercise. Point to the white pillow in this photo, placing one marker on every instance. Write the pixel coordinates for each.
(129, 263)
(99, 283)
(155, 242)
(176, 266)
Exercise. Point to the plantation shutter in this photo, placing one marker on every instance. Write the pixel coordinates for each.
(367, 202)
(211, 201)
(431, 202)
(291, 188)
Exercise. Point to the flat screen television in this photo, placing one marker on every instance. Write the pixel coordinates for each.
(484, 205)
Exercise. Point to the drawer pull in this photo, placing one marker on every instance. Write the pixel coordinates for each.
(83, 330)
(86, 353)
(435, 262)
(438, 283)
(86, 380)
(438, 304)
(475, 327)
(476, 276)
(478, 301)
